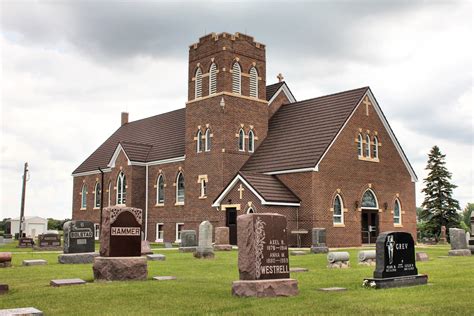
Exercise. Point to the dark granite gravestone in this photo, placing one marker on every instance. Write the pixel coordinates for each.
(49, 240)
(395, 262)
(120, 246)
(319, 241)
(78, 237)
(189, 241)
(121, 232)
(25, 242)
(263, 257)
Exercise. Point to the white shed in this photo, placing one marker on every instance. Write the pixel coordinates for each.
(34, 226)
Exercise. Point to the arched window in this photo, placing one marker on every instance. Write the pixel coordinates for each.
(198, 83)
(251, 141)
(369, 200)
(97, 194)
(250, 210)
(359, 145)
(160, 190)
(375, 149)
(212, 79)
(397, 213)
(109, 193)
(253, 82)
(180, 188)
(236, 78)
(338, 211)
(84, 196)
(199, 141)
(208, 140)
(121, 189)
(241, 140)
(367, 146)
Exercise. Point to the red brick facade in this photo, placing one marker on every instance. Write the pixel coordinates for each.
(339, 172)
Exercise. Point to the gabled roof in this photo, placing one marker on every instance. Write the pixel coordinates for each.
(299, 133)
(160, 137)
(268, 189)
(274, 89)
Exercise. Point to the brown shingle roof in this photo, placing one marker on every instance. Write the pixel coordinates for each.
(299, 133)
(272, 89)
(270, 188)
(150, 139)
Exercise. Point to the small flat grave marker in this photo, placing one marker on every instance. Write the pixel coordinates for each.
(3, 288)
(422, 256)
(295, 270)
(168, 245)
(298, 253)
(25, 311)
(164, 278)
(65, 282)
(333, 289)
(35, 262)
(156, 257)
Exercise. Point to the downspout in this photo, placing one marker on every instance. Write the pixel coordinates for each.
(146, 202)
(101, 197)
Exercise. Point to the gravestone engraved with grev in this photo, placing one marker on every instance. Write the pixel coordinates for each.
(395, 262)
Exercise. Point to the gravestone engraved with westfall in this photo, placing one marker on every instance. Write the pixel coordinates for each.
(78, 237)
(121, 232)
(395, 262)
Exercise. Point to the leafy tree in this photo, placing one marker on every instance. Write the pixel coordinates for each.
(56, 224)
(439, 207)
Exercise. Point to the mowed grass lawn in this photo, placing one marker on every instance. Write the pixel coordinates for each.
(204, 287)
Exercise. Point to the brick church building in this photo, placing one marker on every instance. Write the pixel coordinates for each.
(242, 146)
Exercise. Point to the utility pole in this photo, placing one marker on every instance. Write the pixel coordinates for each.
(22, 210)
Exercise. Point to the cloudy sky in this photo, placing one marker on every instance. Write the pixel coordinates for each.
(70, 68)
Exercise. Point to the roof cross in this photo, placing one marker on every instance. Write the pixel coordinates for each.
(280, 77)
(366, 103)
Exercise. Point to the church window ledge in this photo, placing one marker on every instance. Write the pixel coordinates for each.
(203, 197)
(338, 225)
(160, 204)
(397, 225)
(368, 159)
(179, 204)
(83, 209)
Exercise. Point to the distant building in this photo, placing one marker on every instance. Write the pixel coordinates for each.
(242, 146)
(34, 226)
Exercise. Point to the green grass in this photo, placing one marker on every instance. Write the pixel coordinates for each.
(204, 287)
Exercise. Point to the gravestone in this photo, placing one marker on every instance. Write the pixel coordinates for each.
(458, 242)
(263, 257)
(156, 257)
(66, 282)
(319, 241)
(471, 239)
(79, 243)
(146, 249)
(442, 238)
(422, 256)
(49, 241)
(24, 311)
(396, 266)
(338, 260)
(26, 242)
(120, 246)
(205, 249)
(188, 241)
(367, 257)
(3, 289)
(78, 237)
(34, 262)
(222, 239)
(168, 245)
(5, 259)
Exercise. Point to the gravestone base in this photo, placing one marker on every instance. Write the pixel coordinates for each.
(387, 283)
(77, 258)
(339, 265)
(368, 262)
(205, 253)
(319, 249)
(120, 268)
(265, 288)
(459, 252)
(187, 249)
(223, 247)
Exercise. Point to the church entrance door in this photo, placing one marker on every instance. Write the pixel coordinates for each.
(370, 226)
(231, 222)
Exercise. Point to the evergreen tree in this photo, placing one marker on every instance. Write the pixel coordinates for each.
(439, 207)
